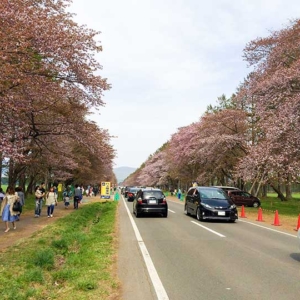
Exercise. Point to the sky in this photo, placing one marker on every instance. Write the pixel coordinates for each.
(167, 60)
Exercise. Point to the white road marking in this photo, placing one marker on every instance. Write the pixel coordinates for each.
(217, 233)
(157, 284)
(266, 228)
(172, 211)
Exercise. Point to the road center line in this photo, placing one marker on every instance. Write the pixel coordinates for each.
(219, 234)
(172, 211)
(157, 284)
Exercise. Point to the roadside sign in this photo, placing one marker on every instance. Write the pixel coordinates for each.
(105, 190)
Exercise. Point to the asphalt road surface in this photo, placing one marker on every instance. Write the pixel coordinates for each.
(206, 260)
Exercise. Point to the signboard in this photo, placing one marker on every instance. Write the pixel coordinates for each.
(105, 190)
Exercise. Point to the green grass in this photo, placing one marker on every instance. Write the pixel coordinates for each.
(72, 258)
(289, 208)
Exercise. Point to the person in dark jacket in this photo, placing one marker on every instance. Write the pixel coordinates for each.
(77, 195)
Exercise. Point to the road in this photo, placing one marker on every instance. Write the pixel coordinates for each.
(207, 260)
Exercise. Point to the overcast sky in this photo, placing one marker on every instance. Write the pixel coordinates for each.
(167, 60)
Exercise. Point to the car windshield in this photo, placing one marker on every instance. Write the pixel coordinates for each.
(153, 194)
(133, 190)
(212, 194)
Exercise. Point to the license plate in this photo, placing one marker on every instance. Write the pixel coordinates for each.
(152, 201)
(221, 213)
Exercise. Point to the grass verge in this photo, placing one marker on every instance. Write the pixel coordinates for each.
(73, 258)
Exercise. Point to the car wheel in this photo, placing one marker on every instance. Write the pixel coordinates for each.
(255, 204)
(232, 221)
(137, 214)
(198, 214)
(165, 214)
(186, 211)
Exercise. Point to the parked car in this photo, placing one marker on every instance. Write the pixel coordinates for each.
(227, 188)
(150, 200)
(209, 203)
(131, 193)
(244, 198)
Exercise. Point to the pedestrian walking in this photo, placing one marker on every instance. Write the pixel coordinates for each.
(7, 213)
(179, 194)
(2, 195)
(67, 194)
(51, 200)
(77, 196)
(21, 196)
(39, 197)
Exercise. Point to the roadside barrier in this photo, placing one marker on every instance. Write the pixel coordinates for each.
(276, 219)
(298, 225)
(259, 216)
(243, 215)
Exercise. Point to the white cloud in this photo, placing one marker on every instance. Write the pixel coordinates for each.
(167, 60)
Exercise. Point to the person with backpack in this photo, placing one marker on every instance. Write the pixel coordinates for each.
(7, 212)
(77, 195)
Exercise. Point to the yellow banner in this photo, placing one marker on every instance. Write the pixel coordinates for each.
(105, 190)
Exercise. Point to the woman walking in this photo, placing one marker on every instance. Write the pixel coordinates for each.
(21, 196)
(51, 200)
(8, 215)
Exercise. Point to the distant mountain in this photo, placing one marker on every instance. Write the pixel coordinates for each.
(123, 172)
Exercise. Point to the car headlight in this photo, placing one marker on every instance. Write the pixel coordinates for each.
(206, 205)
(233, 206)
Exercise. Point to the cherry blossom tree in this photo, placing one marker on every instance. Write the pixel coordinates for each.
(49, 81)
(274, 88)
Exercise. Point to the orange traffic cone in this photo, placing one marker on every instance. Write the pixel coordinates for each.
(243, 215)
(298, 225)
(276, 219)
(259, 216)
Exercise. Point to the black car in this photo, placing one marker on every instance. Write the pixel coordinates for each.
(210, 203)
(148, 201)
(126, 190)
(131, 193)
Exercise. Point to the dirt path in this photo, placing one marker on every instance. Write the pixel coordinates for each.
(28, 224)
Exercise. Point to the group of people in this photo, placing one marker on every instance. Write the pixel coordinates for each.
(12, 203)
(13, 200)
(50, 197)
(77, 196)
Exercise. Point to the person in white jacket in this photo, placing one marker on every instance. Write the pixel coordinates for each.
(51, 200)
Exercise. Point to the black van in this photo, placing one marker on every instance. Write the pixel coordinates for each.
(209, 203)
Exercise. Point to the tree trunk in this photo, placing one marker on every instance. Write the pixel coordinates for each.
(288, 189)
(280, 195)
(278, 187)
(264, 190)
(1, 169)
(11, 172)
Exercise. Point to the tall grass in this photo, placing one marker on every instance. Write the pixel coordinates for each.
(72, 258)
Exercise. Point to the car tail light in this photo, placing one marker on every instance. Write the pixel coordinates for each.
(164, 201)
(130, 194)
(140, 201)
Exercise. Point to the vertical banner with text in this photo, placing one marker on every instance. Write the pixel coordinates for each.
(105, 190)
